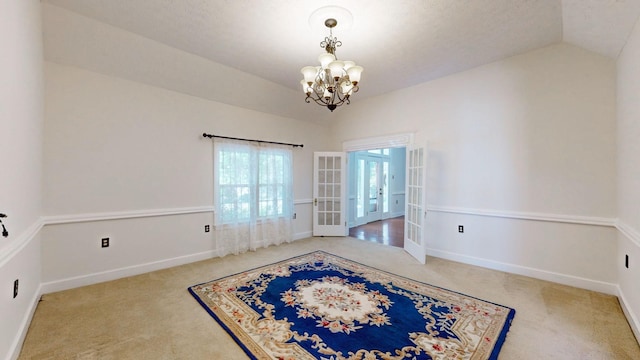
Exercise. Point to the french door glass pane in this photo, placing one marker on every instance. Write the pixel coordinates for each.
(414, 197)
(329, 190)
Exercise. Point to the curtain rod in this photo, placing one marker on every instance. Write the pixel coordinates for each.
(260, 141)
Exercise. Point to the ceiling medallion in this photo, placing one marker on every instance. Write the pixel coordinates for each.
(333, 82)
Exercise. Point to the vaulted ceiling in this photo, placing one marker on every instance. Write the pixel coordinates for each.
(400, 43)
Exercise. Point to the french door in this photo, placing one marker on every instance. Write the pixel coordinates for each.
(415, 212)
(329, 185)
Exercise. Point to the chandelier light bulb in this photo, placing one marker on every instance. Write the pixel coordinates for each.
(326, 59)
(348, 64)
(346, 88)
(305, 87)
(337, 69)
(354, 73)
(310, 73)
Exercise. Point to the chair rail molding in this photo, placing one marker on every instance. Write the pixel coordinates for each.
(20, 242)
(629, 232)
(118, 215)
(570, 219)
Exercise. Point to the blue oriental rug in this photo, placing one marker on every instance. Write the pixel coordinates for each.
(322, 306)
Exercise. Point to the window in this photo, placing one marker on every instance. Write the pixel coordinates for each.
(253, 195)
(234, 198)
(253, 182)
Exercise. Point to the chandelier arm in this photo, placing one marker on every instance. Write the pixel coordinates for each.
(319, 101)
(318, 94)
(342, 99)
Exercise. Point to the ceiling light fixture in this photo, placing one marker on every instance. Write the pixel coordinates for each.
(333, 82)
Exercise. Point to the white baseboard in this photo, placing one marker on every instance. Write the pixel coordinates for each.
(94, 278)
(570, 280)
(631, 316)
(302, 235)
(89, 279)
(16, 347)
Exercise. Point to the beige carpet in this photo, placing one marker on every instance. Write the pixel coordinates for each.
(152, 316)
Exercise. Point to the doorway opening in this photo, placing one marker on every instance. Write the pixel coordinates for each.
(376, 195)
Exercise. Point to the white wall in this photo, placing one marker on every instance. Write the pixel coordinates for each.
(397, 181)
(80, 41)
(121, 156)
(532, 136)
(21, 113)
(120, 149)
(628, 97)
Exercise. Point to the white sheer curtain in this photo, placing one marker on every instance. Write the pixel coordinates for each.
(253, 195)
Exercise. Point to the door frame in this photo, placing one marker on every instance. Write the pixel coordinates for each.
(380, 142)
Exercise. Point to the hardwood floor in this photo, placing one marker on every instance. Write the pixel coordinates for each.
(387, 232)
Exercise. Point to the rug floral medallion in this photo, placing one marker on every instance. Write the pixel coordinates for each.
(322, 306)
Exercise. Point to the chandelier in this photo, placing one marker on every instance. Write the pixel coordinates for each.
(333, 82)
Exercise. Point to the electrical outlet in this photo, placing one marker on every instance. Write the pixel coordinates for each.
(460, 228)
(626, 261)
(15, 288)
(207, 228)
(105, 242)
